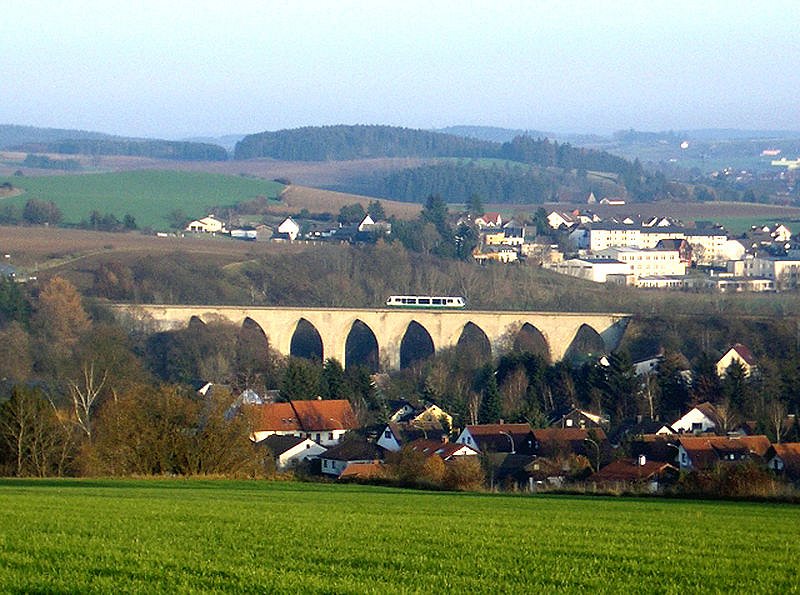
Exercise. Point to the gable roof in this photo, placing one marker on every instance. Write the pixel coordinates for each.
(493, 218)
(631, 470)
(496, 436)
(276, 417)
(334, 414)
(354, 450)
(280, 444)
(789, 453)
(305, 416)
(705, 451)
(445, 450)
(744, 353)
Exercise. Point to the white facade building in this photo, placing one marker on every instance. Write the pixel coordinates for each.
(646, 262)
(592, 269)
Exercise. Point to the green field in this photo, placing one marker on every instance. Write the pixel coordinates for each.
(149, 195)
(192, 535)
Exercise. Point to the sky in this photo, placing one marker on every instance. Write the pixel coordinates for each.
(176, 69)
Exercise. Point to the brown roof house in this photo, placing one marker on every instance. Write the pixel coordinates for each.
(784, 459)
(511, 438)
(325, 422)
(699, 453)
(638, 471)
(739, 354)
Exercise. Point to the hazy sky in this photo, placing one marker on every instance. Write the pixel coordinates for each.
(172, 69)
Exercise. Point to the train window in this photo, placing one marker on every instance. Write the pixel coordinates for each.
(437, 301)
(424, 300)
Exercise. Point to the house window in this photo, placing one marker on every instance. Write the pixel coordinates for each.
(569, 423)
(308, 445)
(318, 437)
(697, 426)
(325, 464)
(387, 434)
(683, 458)
(330, 435)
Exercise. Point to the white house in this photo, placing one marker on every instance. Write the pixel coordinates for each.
(556, 220)
(489, 220)
(336, 459)
(290, 228)
(208, 224)
(702, 418)
(289, 451)
(324, 422)
(739, 354)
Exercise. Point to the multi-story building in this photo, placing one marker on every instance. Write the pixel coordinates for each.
(646, 262)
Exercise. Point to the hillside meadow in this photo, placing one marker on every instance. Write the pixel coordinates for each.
(150, 196)
(247, 537)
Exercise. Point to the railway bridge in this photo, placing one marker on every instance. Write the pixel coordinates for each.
(390, 338)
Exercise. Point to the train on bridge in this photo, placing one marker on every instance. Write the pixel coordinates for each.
(425, 301)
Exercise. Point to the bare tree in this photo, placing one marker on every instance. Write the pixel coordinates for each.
(776, 418)
(85, 396)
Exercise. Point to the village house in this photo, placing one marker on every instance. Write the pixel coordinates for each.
(290, 451)
(336, 459)
(653, 474)
(700, 453)
(739, 354)
(700, 419)
(444, 450)
(395, 435)
(504, 254)
(489, 220)
(784, 460)
(512, 438)
(208, 224)
(324, 422)
(561, 220)
(580, 418)
(288, 229)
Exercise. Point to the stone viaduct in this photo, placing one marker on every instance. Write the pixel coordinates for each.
(387, 330)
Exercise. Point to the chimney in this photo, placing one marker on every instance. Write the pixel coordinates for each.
(445, 439)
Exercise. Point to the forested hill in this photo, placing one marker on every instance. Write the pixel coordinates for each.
(156, 149)
(12, 135)
(342, 143)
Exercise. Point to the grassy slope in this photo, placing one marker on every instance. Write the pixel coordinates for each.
(189, 535)
(148, 195)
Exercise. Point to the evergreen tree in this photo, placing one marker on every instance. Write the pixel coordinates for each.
(491, 400)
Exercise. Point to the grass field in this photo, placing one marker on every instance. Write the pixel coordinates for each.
(191, 535)
(150, 196)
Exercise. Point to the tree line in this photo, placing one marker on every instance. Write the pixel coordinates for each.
(156, 149)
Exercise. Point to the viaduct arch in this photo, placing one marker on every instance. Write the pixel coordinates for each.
(388, 327)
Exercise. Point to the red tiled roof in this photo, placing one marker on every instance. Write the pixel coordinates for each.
(276, 417)
(335, 414)
(705, 450)
(493, 217)
(630, 470)
(305, 416)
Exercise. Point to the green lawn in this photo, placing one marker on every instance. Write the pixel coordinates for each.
(191, 535)
(150, 195)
